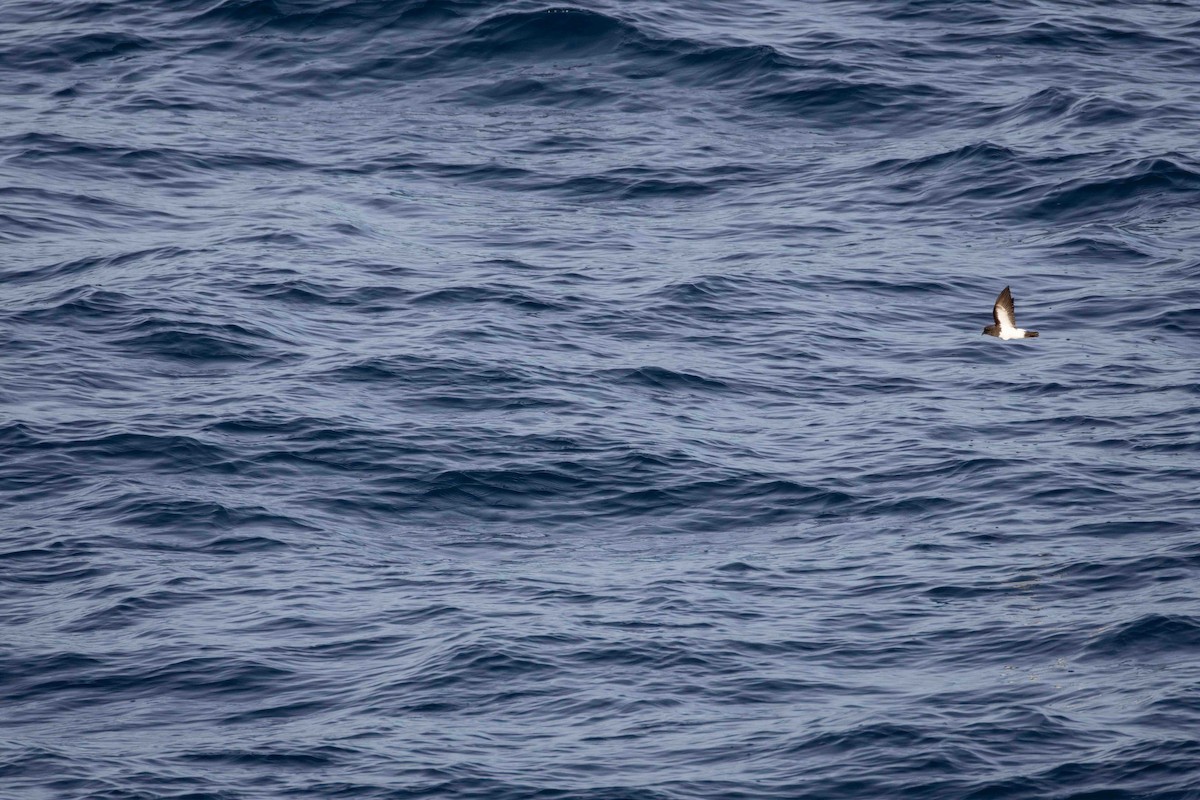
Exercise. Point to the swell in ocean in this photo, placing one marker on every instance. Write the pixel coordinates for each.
(459, 399)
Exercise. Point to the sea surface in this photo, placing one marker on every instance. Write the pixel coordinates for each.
(461, 399)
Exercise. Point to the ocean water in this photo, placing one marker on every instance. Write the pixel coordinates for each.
(460, 399)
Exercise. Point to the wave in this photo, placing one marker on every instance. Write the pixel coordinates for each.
(591, 399)
(64, 52)
(33, 213)
(1161, 182)
(576, 32)
(839, 101)
(196, 341)
(151, 165)
(1146, 637)
(665, 379)
(316, 18)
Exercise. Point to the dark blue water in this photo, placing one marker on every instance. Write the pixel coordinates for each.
(450, 399)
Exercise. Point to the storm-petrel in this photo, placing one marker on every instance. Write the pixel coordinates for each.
(1006, 322)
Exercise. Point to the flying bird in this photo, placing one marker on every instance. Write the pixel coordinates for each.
(1006, 322)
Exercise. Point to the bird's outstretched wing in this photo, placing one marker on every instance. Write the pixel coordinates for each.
(1003, 312)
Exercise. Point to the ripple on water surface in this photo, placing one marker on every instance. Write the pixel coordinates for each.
(439, 398)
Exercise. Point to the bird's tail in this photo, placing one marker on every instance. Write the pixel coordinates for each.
(1030, 334)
